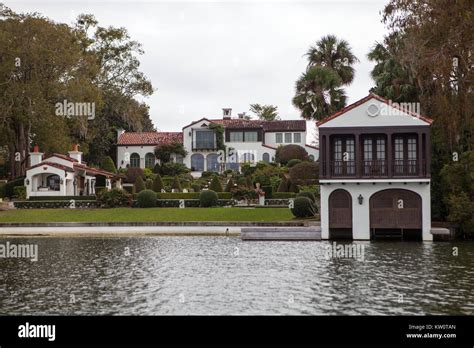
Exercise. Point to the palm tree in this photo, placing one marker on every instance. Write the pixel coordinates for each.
(336, 54)
(265, 112)
(318, 93)
(318, 90)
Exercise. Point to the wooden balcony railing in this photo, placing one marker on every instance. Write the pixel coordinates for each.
(374, 169)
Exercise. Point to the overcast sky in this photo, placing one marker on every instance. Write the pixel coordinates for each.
(202, 56)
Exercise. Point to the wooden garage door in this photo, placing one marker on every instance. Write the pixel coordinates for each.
(340, 209)
(395, 208)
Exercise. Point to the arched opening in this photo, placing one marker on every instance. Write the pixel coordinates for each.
(53, 182)
(340, 215)
(212, 162)
(197, 162)
(248, 157)
(135, 160)
(396, 213)
(266, 157)
(179, 159)
(149, 160)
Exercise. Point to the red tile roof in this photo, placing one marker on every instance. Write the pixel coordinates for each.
(149, 138)
(362, 101)
(91, 170)
(267, 126)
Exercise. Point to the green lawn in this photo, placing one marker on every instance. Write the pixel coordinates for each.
(150, 214)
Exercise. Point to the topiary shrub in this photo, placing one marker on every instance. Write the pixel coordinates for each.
(308, 194)
(176, 185)
(229, 186)
(132, 175)
(149, 184)
(303, 207)
(114, 198)
(157, 168)
(20, 181)
(158, 183)
(305, 173)
(284, 154)
(146, 199)
(208, 198)
(139, 185)
(172, 168)
(283, 186)
(108, 165)
(216, 185)
(196, 187)
(268, 192)
(293, 162)
(292, 187)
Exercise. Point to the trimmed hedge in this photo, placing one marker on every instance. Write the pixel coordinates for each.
(189, 195)
(54, 204)
(283, 195)
(63, 198)
(283, 202)
(13, 183)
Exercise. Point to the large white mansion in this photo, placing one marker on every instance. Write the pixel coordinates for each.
(245, 141)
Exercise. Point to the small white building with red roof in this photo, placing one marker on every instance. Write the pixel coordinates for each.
(64, 175)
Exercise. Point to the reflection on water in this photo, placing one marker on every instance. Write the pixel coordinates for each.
(219, 275)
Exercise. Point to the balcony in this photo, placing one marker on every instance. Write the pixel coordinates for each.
(204, 146)
(373, 169)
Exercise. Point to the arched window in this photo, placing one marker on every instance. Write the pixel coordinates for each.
(212, 162)
(249, 157)
(197, 162)
(134, 160)
(266, 157)
(149, 160)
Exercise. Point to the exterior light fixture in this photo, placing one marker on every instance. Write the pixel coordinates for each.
(62, 181)
(361, 199)
(27, 181)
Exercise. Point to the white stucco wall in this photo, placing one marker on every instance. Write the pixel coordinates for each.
(34, 175)
(124, 153)
(270, 138)
(361, 213)
(365, 115)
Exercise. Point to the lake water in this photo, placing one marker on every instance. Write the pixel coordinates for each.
(223, 275)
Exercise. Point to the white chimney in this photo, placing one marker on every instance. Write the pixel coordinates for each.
(120, 131)
(75, 153)
(226, 113)
(36, 156)
(242, 115)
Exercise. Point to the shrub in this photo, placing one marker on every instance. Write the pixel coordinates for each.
(149, 184)
(108, 165)
(284, 154)
(293, 162)
(2, 190)
(114, 198)
(172, 169)
(283, 187)
(176, 185)
(146, 199)
(196, 187)
(292, 187)
(207, 174)
(305, 173)
(139, 185)
(19, 192)
(229, 186)
(268, 191)
(133, 173)
(248, 182)
(13, 183)
(99, 189)
(128, 189)
(308, 194)
(158, 183)
(303, 207)
(208, 198)
(283, 195)
(216, 185)
(157, 168)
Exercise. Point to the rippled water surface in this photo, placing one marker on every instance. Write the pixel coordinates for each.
(220, 275)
